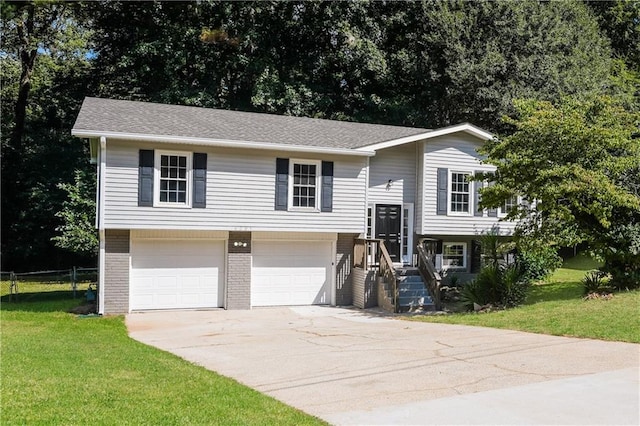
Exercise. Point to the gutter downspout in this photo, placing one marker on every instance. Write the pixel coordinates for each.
(102, 159)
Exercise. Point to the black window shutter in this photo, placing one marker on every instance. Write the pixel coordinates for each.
(494, 211)
(476, 196)
(145, 178)
(282, 183)
(439, 247)
(326, 191)
(199, 180)
(442, 184)
(476, 257)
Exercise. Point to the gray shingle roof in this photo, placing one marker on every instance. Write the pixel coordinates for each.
(145, 118)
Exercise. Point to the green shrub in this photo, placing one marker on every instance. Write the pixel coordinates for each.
(624, 271)
(593, 282)
(515, 286)
(497, 285)
(537, 264)
(472, 293)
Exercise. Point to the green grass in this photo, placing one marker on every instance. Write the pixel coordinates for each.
(556, 307)
(58, 368)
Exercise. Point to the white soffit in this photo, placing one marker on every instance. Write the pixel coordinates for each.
(360, 152)
(464, 127)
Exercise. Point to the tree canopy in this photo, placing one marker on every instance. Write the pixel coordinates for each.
(422, 63)
(577, 163)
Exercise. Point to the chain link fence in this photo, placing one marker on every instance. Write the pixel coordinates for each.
(23, 280)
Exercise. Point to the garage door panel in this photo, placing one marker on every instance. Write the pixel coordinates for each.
(169, 274)
(291, 273)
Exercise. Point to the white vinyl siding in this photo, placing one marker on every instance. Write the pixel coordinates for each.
(397, 165)
(240, 193)
(456, 152)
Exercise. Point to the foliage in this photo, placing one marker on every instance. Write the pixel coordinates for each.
(44, 71)
(579, 161)
(556, 307)
(494, 247)
(593, 281)
(497, 284)
(619, 21)
(424, 64)
(539, 262)
(78, 232)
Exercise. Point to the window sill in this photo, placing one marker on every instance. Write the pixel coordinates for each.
(304, 209)
(172, 205)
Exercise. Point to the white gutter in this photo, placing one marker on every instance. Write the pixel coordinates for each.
(466, 127)
(361, 152)
(101, 234)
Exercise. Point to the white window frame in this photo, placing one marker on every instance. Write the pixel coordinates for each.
(157, 161)
(450, 194)
(407, 216)
(318, 164)
(502, 212)
(445, 266)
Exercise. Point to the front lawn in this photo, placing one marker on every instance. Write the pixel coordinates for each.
(58, 368)
(556, 307)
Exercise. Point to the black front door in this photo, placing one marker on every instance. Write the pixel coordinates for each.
(388, 228)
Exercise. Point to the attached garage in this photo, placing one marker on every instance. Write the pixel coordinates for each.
(291, 272)
(176, 273)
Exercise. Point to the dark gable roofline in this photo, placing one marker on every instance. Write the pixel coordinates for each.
(148, 121)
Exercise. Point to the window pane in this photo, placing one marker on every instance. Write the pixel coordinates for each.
(164, 160)
(183, 162)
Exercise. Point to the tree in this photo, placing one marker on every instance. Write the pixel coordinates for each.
(578, 161)
(620, 21)
(40, 100)
(459, 61)
(78, 232)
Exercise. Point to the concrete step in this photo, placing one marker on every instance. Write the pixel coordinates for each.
(411, 284)
(410, 278)
(407, 271)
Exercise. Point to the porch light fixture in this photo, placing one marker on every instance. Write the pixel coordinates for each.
(239, 244)
(389, 183)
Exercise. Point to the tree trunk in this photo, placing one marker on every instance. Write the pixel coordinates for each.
(27, 59)
(28, 54)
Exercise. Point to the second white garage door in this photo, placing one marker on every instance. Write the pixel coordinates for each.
(176, 274)
(291, 273)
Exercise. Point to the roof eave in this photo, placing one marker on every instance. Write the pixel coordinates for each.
(464, 127)
(83, 133)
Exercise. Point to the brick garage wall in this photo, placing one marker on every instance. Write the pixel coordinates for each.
(116, 274)
(239, 271)
(344, 266)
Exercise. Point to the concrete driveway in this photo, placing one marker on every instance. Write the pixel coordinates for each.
(348, 366)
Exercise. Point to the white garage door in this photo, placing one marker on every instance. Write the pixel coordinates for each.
(170, 274)
(291, 273)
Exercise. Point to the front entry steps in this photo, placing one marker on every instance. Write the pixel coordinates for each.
(413, 294)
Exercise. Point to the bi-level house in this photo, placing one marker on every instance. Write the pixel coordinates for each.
(205, 208)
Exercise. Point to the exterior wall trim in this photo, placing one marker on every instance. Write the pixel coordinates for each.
(360, 152)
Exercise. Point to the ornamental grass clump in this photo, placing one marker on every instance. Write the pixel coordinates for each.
(497, 285)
